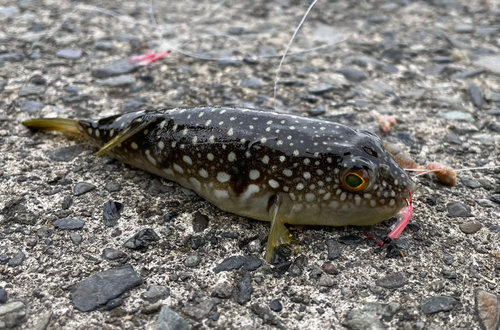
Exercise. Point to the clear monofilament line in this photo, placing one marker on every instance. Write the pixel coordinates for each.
(288, 47)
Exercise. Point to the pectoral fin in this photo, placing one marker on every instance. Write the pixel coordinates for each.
(126, 134)
(279, 236)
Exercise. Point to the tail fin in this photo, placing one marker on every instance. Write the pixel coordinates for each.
(54, 124)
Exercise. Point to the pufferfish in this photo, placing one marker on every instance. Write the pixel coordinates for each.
(262, 165)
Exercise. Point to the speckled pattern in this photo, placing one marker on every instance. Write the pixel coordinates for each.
(241, 160)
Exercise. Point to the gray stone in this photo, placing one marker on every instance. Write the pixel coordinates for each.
(379, 87)
(68, 223)
(142, 239)
(65, 154)
(120, 67)
(353, 75)
(464, 28)
(104, 45)
(476, 95)
(359, 320)
(43, 321)
(111, 213)
(9, 11)
(99, 288)
(393, 281)
(155, 293)
(458, 209)
(83, 188)
(253, 83)
(13, 306)
(245, 289)
(488, 309)
(114, 255)
(456, 116)
(333, 248)
(223, 290)
(200, 222)
(438, 304)
(199, 310)
(31, 107)
(70, 54)
(328, 34)
(470, 227)
(31, 90)
(12, 314)
(3, 296)
(322, 89)
(192, 260)
(490, 63)
(17, 259)
(326, 280)
(76, 238)
(170, 320)
(118, 81)
(233, 262)
(113, 186)
(11, 57)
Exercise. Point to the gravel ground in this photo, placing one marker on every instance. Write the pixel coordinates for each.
(89, 243)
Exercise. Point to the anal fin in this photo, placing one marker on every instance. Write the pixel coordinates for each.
(279, 236)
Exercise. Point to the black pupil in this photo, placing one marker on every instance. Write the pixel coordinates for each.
(353, 180)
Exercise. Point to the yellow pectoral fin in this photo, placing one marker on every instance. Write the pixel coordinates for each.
(279, 236)
(126, 134)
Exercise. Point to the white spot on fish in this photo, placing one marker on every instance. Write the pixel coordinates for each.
(273, 183)
(89, 130)
(300, 186)
(187, 160)
(287, 172)
(150, 158)
(254, 174)
(178, 168)
(282, 158)
(306, 175)
(221, 193)
(265, 159)
(230, 132)
(203, 173)
(223, 177)
(211, 139)
(333, 205)
(168, 171)
(210, 156)
(310, 197)
(231, 156)
(252, 189)
(327, 196)
(161, 145)
(195, 182)
(134, 145)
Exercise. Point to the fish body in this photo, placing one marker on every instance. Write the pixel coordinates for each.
(259, 164)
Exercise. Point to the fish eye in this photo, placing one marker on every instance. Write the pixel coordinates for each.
(355, 181)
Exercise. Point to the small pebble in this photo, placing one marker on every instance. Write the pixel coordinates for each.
(438, 304)
(68, 224)
(82, 188)
(192, 260)
(276, 305)
(3, 296)
(470, 227)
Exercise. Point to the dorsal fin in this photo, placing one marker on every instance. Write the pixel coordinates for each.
(126, 134)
